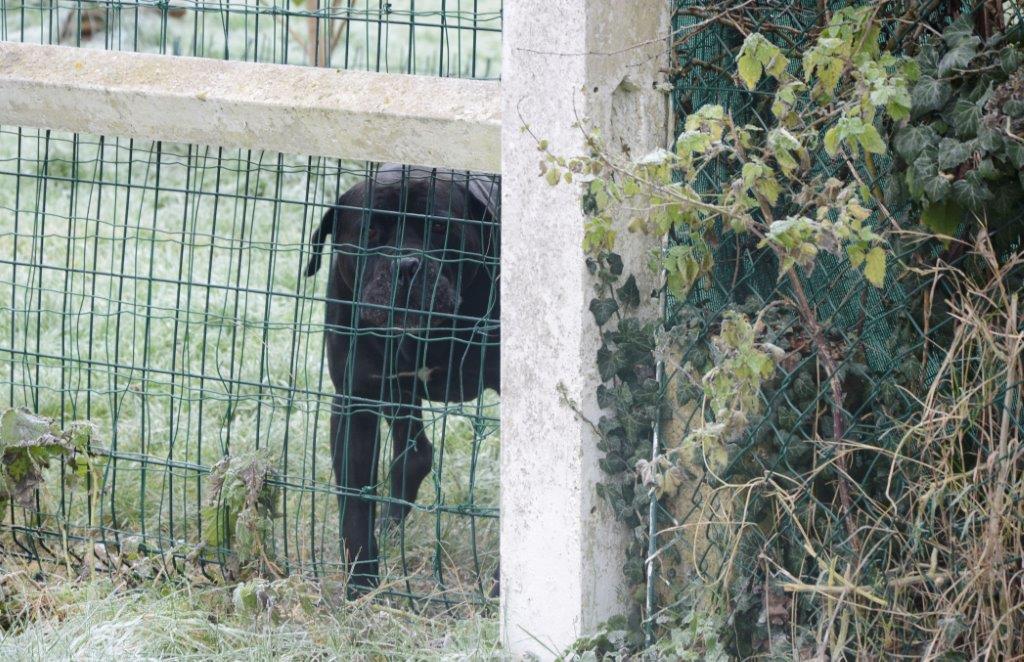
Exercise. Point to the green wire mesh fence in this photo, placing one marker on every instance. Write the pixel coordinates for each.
(459, 38)
(166, 294)
(888, 345)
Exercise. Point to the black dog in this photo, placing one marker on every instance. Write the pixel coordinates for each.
(412, 315)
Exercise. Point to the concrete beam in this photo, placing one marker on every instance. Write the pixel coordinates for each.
(359, 115)
(561, 550)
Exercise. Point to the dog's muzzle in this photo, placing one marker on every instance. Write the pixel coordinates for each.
(410, 293)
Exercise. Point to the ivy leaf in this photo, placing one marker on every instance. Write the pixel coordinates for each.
(1010, 60)
(987, 170)
(965, 117)
(911, 140)
(928, 56)
(603, 309)
(614, 263)
(989, 139)
(929, 94)
(959, 32)
(972, 191)
(629, 293)
(942, 218)
(874, 266)
(959, 57)
(1014, 108)
(952, 153)
(605, 363)
(1015, 152)
(934, 183)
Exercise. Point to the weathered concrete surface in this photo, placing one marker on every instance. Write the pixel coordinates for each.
(561, 551)
(298, 110)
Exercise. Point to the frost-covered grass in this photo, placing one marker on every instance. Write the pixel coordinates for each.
(175, 318)
(430, 37)
(156, 290)
(103, 619)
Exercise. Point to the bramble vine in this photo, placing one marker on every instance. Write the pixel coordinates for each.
(28, 443)
(242, 503)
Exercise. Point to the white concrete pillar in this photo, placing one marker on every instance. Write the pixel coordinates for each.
(561, 550)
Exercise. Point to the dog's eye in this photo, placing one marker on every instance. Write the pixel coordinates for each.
(373, 236)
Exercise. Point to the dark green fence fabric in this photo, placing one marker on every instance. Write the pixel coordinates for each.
(158, 291)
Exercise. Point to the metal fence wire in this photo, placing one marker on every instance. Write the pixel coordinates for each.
(209, 310)
(889, 344)
(460, 38)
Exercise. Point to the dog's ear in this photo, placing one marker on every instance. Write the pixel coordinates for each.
(329, 224)
(317, 240)
(485, 192)
(485, 207)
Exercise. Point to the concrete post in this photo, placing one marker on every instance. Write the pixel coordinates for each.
(561, 551)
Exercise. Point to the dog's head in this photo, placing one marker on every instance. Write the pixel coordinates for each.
(407, 241)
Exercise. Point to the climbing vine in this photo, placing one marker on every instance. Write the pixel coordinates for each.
(799, 188)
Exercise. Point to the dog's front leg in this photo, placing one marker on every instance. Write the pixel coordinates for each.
(413, 457)
(354, 438)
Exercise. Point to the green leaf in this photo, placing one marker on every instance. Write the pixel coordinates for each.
(749, 70)
(603, 309)
(777, 65)
(965, 118)
(629, 293)
(1010, 60)
(988, 171)
(1014, 108)
(692, 142)
(871, 140)
(989, 139)
(756, 55)
(17, 426)
(934, 183)
(928, 56)
(615, 263)
(874, 266)
(606, 365)
(960, 31)
(959, 57)
(929, 94)
(942, 218)
(832, 141)
(972, 191)
(952, 153)
(911, 140)
(1015, 152)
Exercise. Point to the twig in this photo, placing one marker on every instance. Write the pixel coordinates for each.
(838, 424)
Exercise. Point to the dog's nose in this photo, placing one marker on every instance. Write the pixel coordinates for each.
(407, 268)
